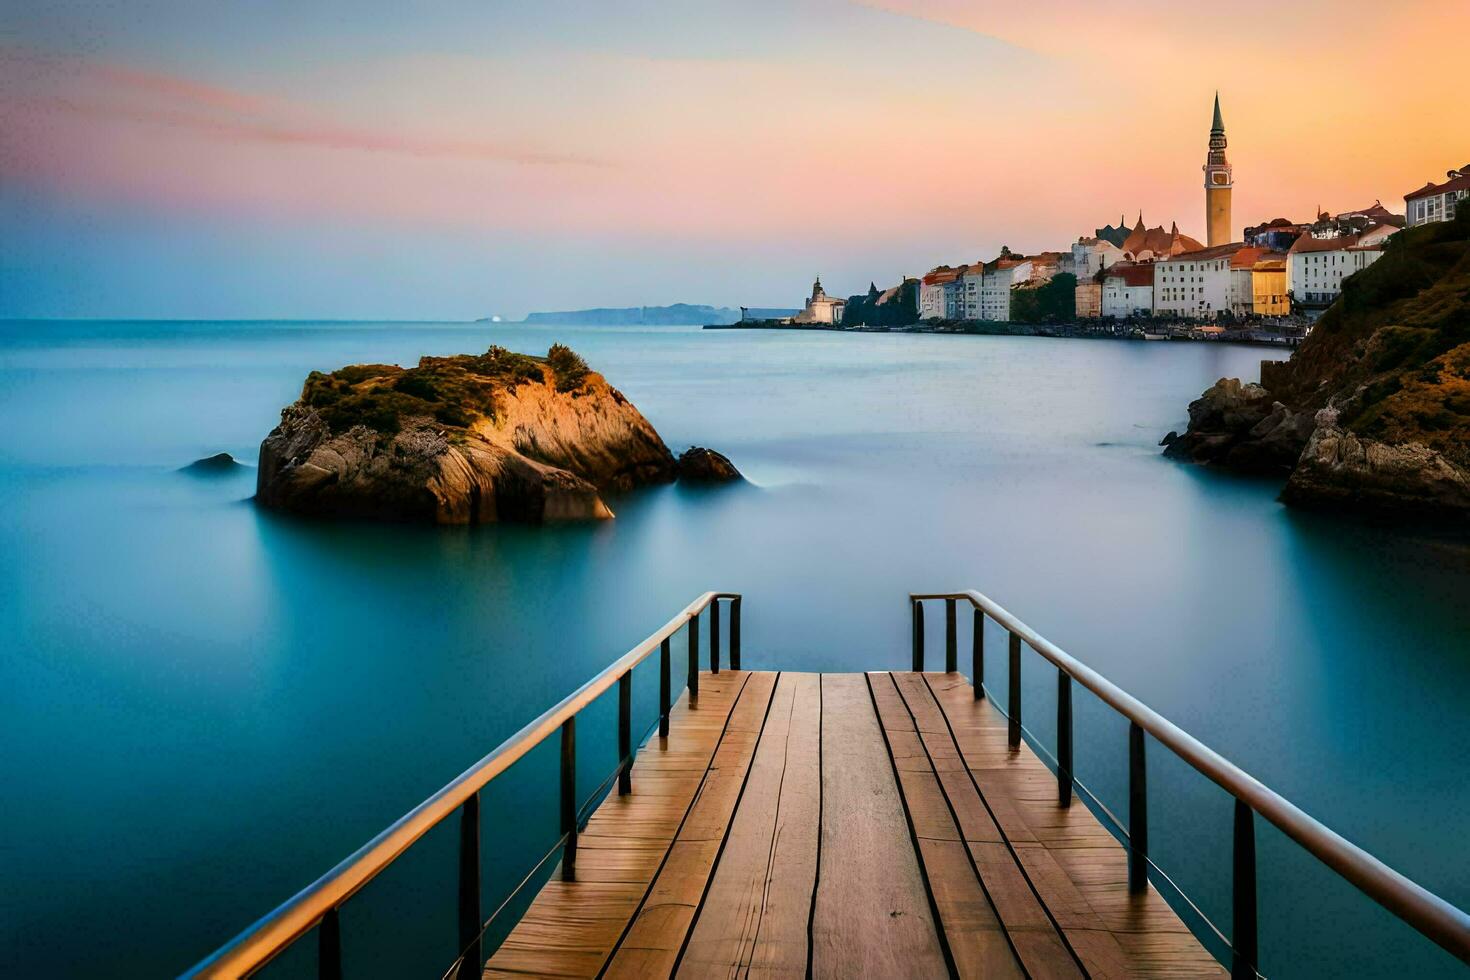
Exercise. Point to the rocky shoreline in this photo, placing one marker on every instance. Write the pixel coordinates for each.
(470, 439)
(1371, 415)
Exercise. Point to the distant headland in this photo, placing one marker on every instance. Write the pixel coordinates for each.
(676, 314)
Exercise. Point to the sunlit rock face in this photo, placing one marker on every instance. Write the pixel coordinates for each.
(468, 439)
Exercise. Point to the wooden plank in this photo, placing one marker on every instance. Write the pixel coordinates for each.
(753, 921)
(663, 919)
(1071, 861)
(871, 914)
(1030, 931)
(572, 926)
(976, 936)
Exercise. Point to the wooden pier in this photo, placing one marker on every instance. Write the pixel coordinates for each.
(838, 825)
(844, 825)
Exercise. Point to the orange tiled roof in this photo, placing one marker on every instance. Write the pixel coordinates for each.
(1204, 254)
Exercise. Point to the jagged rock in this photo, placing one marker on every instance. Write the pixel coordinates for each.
(701, 465)
(1168, 439)
(212, 465)
(1219, 419)
(1340, 470)
(460, 440)
(1273, 444)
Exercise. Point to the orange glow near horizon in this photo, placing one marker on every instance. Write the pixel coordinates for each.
(917, 131)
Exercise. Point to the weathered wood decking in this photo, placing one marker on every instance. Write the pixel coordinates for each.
(845, 825)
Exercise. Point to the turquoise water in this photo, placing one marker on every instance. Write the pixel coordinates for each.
(204, 706)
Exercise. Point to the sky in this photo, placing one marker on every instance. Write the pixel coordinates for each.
(451, 160)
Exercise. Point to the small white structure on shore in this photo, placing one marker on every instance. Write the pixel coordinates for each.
(821, 308)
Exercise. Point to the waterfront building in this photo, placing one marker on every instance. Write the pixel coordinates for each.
(1437, 202)
(1315, 268)
(1241, 299)
(1092, 255)
(1194, 285)
(1219, 179)
(1268, 286)
(1128, 290)
(955, 291)
(931, 292)
(999, 277)
(1089, 299)
(820, 308)
(1149, 244)
(971, 284)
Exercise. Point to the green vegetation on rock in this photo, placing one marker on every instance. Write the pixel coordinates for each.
(1393, 354)
(455, 391)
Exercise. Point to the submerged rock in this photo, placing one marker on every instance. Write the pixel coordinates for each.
(700, 465)
(468, 439)
(211, 465)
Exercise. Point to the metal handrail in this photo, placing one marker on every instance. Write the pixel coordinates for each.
(288, 922)
(1432, 916)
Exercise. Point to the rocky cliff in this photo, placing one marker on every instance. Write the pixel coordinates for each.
(468, 439)
(1372, 413)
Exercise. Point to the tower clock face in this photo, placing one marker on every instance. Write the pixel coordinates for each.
(1217, 178)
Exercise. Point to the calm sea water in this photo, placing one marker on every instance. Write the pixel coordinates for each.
(204, 706)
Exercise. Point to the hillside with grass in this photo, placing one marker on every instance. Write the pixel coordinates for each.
(1372, 413)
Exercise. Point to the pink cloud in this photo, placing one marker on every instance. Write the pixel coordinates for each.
(120, 92)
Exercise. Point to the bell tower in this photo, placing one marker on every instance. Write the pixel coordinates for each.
(1218, 181)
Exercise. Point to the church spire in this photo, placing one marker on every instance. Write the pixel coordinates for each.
(1218, 126)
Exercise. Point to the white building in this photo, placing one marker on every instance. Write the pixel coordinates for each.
(1195, 285)
(1091, 256)
(931, 292)
(999, 278)
(1315, 268)
(954, 295)
(821, 308)
(1437, 202)
(974, 285)
(1128, 290)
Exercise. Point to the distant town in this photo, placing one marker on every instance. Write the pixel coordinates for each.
(1145, 281)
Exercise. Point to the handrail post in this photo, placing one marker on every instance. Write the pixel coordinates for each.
(1064, 738)
(694, 660)
(714, 636)
(469, 889)
(977, 655)
(625, 734)
(569, 798)
(664, 688)
(1013, 705)
(735, 633)
(918, 635)
(951, 639)
(1137, 811)
(329, 947)
(1243, 900)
